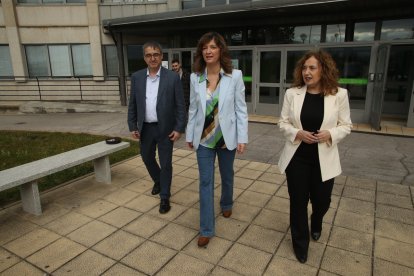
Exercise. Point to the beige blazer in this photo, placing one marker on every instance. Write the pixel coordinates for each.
(336, 120)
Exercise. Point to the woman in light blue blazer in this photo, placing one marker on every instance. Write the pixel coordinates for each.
(315, 117)
(217, 125)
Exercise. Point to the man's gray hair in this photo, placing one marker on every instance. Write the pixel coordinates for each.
(152, 44)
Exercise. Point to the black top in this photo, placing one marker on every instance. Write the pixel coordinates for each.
(311, 117)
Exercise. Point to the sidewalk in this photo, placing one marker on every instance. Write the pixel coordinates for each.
(92, 229)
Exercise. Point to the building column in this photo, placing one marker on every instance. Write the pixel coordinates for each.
(95, 39)
(13, 37)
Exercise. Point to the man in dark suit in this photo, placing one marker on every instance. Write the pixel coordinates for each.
(185, 80)
(156, 116)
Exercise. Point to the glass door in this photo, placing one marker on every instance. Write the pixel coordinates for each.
(269, 82)
(379, 85)
(242, 60)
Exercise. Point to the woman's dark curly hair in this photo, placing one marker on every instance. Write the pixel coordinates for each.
(329, 73)
(225, 60)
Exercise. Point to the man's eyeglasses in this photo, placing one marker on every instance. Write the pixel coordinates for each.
(155, 55)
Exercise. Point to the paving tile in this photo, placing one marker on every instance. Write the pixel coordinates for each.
(356, 206)
(274, 169)
(120, 217)
(396, 200)
(183, 264)
(120, 269)
(245, 260)
(12, 227)
(258, 166)
(253, 198)
(121, 196)
(97, 208)
(91, 233)
(119, 244)
(337, 189)
(185, 197)
(273, 178)
(351, 240)
(229, 228)
(264, 187)
(31, 242)
(345, 263)
(176, 210)
(281, 266)
(123, 179)
(283, 192)
(50, 212)
(149, 257)
(354, 221)
(140, 186)
(68, 223)
(214, 251)
(361, 183)
(273, 220)
(123, 168)
(190, 218)
(279, 204)
(174, 236)
(358, 193)
(220, 271)
(326, 230)
(181, 181)
(394, 251)
(186, 162)
(145, 226)
(242, 183)
(143, 203)
(182, 152)
(23, 268)
(396, 189)
(249, 174)
(326, 273)
(87, 263)
(7, 259)
(239, 163)
(384, 268)
(395, 213)
(244, 212)
(315, 252)
(56, 254)
(137, 171)
(190, 173)
(178, 168)
(266, 240)
(394, 230)
(340, 179)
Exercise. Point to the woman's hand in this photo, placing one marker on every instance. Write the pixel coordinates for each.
(241, 148)
(307, 137)
(190, 145)
(323, 136)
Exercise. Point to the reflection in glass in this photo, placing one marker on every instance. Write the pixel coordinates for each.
(37, 61)
(270, 67)
(397, 29)
(364, 31)
(307, 34)
(353, 65)
(335, 33)
(269, 95)
(135, 58)
(6, 69)
(243, 61)
(189, 4)
(60, 60)
(82, 62)
(111, 59)
(209, 3)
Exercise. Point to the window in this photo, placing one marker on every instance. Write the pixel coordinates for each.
(397, 29)
(307, 34)
(364, 31)
(111, 60)
(58, 60)
(6, 69)
(209, 3)
(50, 1)
(335, 33)
(189, 4)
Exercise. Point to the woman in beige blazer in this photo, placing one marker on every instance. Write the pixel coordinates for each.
(315, 117)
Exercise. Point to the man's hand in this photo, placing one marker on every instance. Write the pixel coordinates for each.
(241, 148)
(135, 134)
(174, 136)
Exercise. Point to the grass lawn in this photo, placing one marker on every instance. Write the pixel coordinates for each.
(20, 147)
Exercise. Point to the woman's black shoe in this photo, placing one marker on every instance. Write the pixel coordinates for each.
(315, 235)
(302, 257)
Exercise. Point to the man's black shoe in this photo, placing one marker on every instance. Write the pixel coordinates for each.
(315, 235)
(165, 206)
(156, 189)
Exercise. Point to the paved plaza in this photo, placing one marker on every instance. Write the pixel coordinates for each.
(89, 228)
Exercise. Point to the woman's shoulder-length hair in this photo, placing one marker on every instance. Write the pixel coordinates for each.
(225, 60)
(329, 73)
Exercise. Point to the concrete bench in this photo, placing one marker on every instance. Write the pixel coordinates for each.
(26, 175)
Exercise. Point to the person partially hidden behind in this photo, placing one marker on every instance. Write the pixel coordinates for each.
(157, 117)
(217, 125)
(315, 117)
(185, 80)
